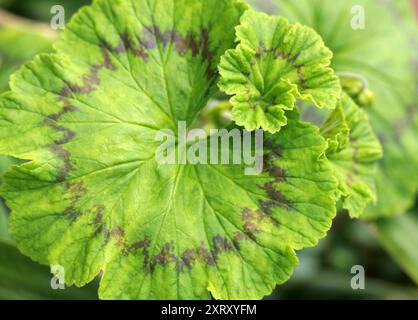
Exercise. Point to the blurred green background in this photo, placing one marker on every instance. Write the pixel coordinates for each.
(387, 248)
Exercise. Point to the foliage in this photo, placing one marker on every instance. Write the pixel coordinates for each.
(90, 195)
(275, 64)
(383, 57)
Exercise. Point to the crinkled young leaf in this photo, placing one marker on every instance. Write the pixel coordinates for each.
(275, 64)
(336, 130)
(354, 151)
(93, 198)
(385, 54)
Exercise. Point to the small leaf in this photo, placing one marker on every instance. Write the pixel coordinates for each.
(336, 130)
(274, 65)
(354, 151)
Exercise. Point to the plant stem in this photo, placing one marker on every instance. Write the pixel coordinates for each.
(8, 19)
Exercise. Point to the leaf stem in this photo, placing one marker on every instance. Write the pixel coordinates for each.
(8, 19)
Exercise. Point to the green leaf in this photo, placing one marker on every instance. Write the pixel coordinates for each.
(384, 54)
(399, 236)
(336, 130)
(275, 64)
(354, 152)
(93, 198)
(17, 44)
(23, 279)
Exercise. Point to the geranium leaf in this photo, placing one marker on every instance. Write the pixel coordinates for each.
(354, 152)
(389, 39)
(275, 64)
(92, 196)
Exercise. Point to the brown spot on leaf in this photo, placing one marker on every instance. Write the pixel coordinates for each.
(144, 246)
(90, 81)
(239, 236)
(117, 233)
(205, 255)
(133, 47)
(275, 171)
(68, 134)
(99, 214)
(152, 35)
(163, 257)
(64, 155)
(98, 222)
(195, 43)
(221, 244)
(251, 218)
(77, 188)
(189, 256)
(192, 255)
(126, 44)
(275, 150)
(65, 93)
(277, 197)
(76, 191)
(107, 63)
(63, 111)
(267, 206)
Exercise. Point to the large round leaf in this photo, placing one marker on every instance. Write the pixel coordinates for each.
(92, 196)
